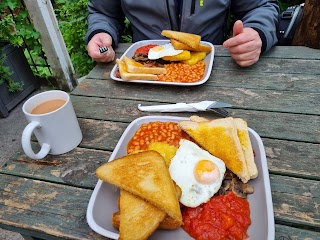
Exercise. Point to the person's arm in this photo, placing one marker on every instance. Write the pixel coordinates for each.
(105, 25)
(255, 33)
(262, 16)
(245, 45)
(105, 16)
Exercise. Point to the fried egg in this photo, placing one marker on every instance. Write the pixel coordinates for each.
(162, 51)
(198, 173)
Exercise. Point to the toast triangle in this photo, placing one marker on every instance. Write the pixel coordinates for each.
(191, 40)
(145, 175)
(138, 218)
(243, 134)
(125, 75)
(219, 137)
(181, 46)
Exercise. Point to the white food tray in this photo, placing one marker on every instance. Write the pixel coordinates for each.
(131, 50)
(103, 202)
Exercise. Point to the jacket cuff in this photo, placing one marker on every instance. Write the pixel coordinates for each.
(263, 39)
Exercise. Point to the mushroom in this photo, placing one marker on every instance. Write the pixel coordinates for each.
(242, 189)
(225, 186)
(232, 183)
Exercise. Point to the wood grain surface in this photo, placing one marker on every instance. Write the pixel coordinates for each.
(279, 97)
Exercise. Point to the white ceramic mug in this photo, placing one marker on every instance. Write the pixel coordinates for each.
(57, 132)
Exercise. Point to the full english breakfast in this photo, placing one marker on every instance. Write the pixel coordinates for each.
(192, 174)
(181, 60)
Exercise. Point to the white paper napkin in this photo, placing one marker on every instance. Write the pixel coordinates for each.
(178, 107)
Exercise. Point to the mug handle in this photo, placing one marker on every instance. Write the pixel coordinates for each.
(26, 142)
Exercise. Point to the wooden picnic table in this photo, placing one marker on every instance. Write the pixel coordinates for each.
(279, 97)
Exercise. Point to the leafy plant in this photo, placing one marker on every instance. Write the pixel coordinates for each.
(16, 29)
(6, 28)
(126, 36)
(72, 18)
(5, 74)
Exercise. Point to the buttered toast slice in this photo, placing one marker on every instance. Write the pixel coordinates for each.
(138, 218)
(125, 75)
(168, 222)
(243, 134)
(145, 175)
(191, 40)
(181, 46)
(136, 67)
(219, 137)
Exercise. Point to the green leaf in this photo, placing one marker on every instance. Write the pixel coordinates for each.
(37, 50)
(36, 35)
(29, 27)
(22, 32)
(12, 5)
(23, 13)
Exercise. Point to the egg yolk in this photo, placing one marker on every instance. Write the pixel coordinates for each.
(157, 49)
(206, 172)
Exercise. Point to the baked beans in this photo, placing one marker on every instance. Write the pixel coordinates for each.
(181, 72)
(168, 132)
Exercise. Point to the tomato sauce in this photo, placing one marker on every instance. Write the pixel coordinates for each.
(145, 49)
(223, 217)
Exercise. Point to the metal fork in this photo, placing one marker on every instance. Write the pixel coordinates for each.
(220, 111)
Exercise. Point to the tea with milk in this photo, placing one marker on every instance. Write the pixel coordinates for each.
(48, 106)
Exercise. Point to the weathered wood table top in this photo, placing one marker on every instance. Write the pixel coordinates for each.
(279, 97)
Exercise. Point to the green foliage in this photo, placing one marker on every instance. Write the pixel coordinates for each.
(8, 34)
(5, 74)
(126, 36)
(16, 29)
(72, 17)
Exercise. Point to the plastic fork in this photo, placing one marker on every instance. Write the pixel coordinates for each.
(103, 49)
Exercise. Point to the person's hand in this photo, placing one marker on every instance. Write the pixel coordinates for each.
(245, 45)
(100, 40)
